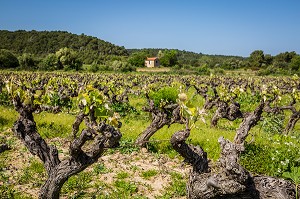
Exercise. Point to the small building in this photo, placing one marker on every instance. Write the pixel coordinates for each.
(152, 62)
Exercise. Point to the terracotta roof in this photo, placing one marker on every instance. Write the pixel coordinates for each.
(151, 58)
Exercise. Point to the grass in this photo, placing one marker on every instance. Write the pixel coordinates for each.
(149, 174)
(99, 168)
(34, 173)
(54, 125)
(177, 187)
(122, 175)
(77, 185)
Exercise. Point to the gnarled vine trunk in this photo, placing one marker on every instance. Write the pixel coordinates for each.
(230, 112)
(160, 117)
(228, 179)
(294, 118)
(103, 136)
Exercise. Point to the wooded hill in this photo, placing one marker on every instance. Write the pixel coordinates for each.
(41, 43)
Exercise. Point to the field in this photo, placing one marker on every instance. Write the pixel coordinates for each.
(152, 168)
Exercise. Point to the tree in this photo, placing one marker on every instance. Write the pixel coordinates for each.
(168, 58)
(50, 63)
(137, 59)
(68, 59)
(27, 61)
(282, 60)
(8, 59)
(257, 58)
(295, 63)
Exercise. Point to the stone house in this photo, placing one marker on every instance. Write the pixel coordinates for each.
(152, 62)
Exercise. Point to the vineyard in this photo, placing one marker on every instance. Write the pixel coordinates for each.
(62, 134)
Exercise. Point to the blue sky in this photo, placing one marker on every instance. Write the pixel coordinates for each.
(226, 27)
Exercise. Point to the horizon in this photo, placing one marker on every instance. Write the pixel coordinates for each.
(230, 28)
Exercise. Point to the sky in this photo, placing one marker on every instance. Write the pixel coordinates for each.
(222, 27)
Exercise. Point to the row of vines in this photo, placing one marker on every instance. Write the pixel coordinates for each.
(100, 101)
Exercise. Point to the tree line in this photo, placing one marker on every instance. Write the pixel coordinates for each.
(56, 50)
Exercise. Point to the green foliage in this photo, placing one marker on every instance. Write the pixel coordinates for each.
(8, 192)
(34, 173)
(126, 188)
(148, 174)
(127, 146)
(92, 101)
(8, 59)
(137, 59)
(177, 187)
(27, 61)
(271, 155)
(50, 63)
(122, 175)
(295, 63)
(77, 183)
(68, 59)
(295, 176)
(122, 66)
(273, 123)
(257, 58)
(123, 108)
(100, 169)
(203, 70)
(94, 67)
(41, 43)
(168, 58)
(164, 95)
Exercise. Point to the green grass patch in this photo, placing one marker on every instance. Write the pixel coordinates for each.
(177, 187)
(122, 175)
(34, 173)
(149, 174)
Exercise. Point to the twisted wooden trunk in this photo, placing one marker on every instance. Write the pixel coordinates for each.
(228, 179)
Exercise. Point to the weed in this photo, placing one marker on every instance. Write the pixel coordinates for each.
(78, 183)
(122, 175)
(127, 188)
(34, 173)
(177, 187)
(7, 192)
(148, 174)
(127, 146)
(100, 169)
(295, 176)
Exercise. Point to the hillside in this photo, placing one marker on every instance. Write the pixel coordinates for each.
(44, 42)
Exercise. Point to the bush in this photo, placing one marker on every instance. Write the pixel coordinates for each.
(50, 63)
(122, 66)
(8, 59)
(94, 67)
(164, 95)
(203, 70)
(27, 61)
(68, 59)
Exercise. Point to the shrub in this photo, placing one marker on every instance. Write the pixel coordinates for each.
(50, 63)
(8, 59)
(164, 95)
(27, 61)
(94, 67)
(68, 59)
